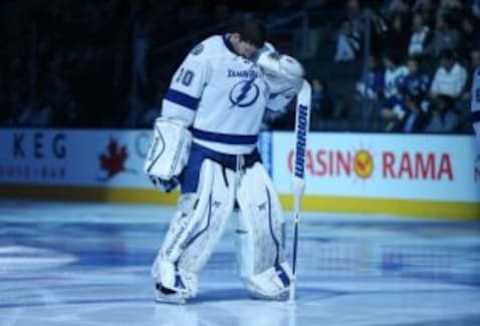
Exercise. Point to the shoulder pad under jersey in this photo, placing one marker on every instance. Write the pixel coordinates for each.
(210, 47)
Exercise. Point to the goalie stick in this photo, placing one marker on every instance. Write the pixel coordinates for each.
(302, 124)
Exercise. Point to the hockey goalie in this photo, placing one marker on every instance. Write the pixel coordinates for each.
(205, 141)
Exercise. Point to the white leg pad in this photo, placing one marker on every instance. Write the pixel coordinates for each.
(270, 284)
(194, 231)
(261, 231)
(166, 275)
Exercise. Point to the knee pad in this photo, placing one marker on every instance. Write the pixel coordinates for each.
(261, 233)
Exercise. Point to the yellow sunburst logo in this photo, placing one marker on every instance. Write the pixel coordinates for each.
(363, 164)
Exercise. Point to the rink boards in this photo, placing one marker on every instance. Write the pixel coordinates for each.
(416, 175)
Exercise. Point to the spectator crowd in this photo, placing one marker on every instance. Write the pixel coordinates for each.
(87, 63)
(422, 57)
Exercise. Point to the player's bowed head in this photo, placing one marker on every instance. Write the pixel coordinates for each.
(247, 37)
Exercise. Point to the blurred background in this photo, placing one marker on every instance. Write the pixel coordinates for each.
(373, 64)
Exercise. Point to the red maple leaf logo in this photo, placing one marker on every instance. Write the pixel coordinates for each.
(113, 162)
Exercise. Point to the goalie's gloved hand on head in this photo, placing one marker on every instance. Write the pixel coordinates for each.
(282, 72)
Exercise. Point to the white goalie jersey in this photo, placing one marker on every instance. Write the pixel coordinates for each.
(222, 97)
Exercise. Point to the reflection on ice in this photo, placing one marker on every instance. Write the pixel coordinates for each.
(81, 264)
(236, 313)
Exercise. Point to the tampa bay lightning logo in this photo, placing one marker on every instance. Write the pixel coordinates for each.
(244, 93)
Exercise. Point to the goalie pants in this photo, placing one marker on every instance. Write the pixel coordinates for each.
(211, 184)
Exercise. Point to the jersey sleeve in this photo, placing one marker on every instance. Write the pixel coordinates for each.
(184, 94)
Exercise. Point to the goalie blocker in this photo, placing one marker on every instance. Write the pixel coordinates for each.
(168, 153)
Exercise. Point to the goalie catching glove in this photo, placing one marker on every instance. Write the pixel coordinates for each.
(168, 153)
(282, 72)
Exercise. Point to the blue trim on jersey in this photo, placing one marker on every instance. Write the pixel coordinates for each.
(228, 44)
(475, 116)
(182, 99)
(225, 138)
